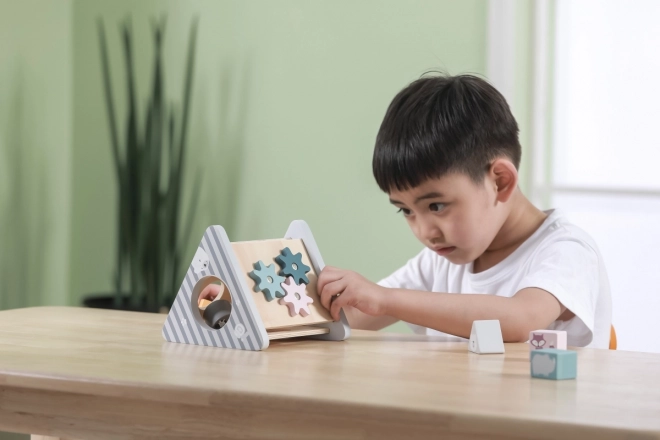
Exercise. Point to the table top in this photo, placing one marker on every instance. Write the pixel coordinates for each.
(91, 352)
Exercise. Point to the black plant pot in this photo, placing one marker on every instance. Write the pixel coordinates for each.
(107, 301)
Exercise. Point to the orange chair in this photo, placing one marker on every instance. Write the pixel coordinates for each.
(612, 338)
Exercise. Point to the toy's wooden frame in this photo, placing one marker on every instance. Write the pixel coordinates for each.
(245, 328)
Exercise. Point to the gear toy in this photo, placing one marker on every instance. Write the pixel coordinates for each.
(296, 298)
(268, 282)
(292, 266)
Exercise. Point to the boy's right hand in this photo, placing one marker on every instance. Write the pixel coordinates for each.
(340, 288)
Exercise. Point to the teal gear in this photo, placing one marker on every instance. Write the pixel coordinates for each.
(267, 281)
(292, 266)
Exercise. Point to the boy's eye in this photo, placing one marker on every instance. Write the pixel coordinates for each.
(406, 212)
(436, 206)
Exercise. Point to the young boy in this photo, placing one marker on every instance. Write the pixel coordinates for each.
(447, 154)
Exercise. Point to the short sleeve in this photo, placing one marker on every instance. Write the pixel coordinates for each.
(569, 270)
(416, 274)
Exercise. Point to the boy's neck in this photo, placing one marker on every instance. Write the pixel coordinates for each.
(521, 222)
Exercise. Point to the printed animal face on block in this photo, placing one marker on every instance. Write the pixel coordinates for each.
(540, 339)
(201, 261)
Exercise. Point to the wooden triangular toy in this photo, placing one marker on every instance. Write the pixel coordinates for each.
(267, 291)
(486, 337)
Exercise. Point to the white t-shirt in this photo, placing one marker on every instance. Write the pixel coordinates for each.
(559, 257)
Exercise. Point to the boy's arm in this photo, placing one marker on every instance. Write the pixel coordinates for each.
(529, 309)
(415, 275)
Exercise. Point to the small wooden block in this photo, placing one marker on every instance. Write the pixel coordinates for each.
(203, 304)
(540, 339)
(486, 337)
(550, 363)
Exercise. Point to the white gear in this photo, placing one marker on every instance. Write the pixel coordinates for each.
(296, 298)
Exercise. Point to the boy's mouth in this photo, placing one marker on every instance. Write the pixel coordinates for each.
(442, 251)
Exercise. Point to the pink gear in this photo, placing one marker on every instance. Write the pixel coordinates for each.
(296, 298)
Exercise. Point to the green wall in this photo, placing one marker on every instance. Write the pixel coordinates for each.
(288, 98)
(35, 152)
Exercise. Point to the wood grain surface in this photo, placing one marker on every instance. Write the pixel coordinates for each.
(95, 374)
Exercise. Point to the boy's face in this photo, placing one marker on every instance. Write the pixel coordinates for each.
(452, 215)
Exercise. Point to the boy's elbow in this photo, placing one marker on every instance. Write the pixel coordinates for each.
(524, 319)
(518, 331)
(515, 335)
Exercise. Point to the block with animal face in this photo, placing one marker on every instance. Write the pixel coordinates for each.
(540, 339)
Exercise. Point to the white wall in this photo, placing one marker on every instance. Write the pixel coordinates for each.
(606, 148)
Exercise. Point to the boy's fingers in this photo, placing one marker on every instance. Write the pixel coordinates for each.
(336, 307)
(210, 292)
(326, 294)
(326, 277)
(203, 294)
(330, 291)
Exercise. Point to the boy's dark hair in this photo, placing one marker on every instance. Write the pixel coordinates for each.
(443, 124)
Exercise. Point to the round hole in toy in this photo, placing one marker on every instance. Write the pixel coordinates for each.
(217, 313)
(212, 301)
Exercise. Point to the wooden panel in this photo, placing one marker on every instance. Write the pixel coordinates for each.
(296, 332)
(47, 437)
(112, 418)
(273, 314)
(100, 374)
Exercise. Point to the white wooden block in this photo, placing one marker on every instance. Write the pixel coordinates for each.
(486, 337)
(540, 339)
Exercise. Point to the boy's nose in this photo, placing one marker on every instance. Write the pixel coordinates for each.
(429, 231)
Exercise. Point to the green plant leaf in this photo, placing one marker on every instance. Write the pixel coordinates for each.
(150, 166)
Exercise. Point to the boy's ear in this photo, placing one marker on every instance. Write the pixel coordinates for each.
(505, 177)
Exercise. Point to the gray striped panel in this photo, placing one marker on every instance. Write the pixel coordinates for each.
(181, 326)
(238, 303)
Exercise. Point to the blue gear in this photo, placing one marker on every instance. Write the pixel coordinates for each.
(261, 275)
(292, 266)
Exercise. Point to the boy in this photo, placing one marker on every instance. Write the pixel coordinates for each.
(447, 154)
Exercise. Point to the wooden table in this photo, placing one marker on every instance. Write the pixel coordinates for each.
(94, 374)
